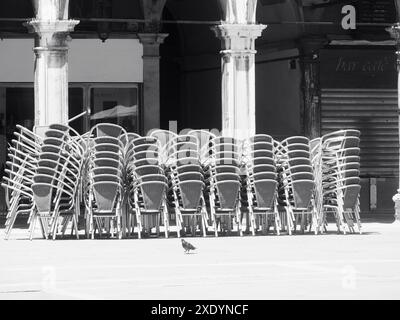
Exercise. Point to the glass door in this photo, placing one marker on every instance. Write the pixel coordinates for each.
(16, 107)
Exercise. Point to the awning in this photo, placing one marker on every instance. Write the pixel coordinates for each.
(118, 111)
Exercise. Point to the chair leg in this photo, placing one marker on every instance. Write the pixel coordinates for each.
(252, 221)
(166, 221)
(194, 225)
(123, 223)
(119, 226)
(277, 224)
(357, 215)
(303, 222)
(75, 224)
(112, 227)
(64, 224)
(128, 225)
(203, 224)
(35, 218)
(215, 224)
(158, 224)
(289, 221)
(239, 221)
(56, 223)
(92, 227)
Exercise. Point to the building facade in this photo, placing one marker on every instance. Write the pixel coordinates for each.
(174, 64)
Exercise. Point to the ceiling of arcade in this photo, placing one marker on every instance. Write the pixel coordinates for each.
(285, 19)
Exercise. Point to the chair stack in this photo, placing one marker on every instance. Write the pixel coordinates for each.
(224, 184)
(148, 186)
(186, 185)
(316, 161)
(261, 183)
(56, 182)
(340, 182)
(164, 138)
(297, 186)
(204, 138)
(23, 154)
(105, 181)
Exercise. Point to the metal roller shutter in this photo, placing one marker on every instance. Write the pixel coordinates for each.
(374, 113)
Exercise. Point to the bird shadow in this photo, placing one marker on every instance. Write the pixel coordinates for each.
(190, 252)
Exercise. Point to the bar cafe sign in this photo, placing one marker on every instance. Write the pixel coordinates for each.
(358, 68)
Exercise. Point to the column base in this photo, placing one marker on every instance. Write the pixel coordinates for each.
(396, 200)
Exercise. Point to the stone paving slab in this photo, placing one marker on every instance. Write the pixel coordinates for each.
(327, 266)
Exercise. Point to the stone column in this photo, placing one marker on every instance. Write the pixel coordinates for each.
(309, 62)
(238, 78)
(238, 33)
(52, 28)
(151, 78)
(395, 34)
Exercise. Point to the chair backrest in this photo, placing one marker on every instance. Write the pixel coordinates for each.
(261, 138)
(42, 195)
(148, 170)
(265, 192)
(105, 193)
(302, 193)
(108, 129)
(204, 138)
(350, 197)
(264, 175)
(153, 193)
(186, 176)
(228, 193)
(190, 193)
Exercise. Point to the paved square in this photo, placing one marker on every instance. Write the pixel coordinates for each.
(264, 267)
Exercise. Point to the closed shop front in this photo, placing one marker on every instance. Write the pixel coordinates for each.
(359, 91)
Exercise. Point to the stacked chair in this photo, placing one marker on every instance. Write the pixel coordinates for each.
(223, 177)
(147, 187)
(261, 183)
(164, 138)
(104, 181)
(130, 184)
(339, 181)
(186, 184)
(56, 182)
(296, 183)
(23, 155)
(203, 138)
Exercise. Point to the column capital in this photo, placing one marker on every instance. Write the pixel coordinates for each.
(394, 32)
(311, 45)
(238, 38)
(152, 38)
(151, 43)
(51, 34)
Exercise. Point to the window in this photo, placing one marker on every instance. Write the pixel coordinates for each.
(115, 105)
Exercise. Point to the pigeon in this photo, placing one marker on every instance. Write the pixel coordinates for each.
(187, 246)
